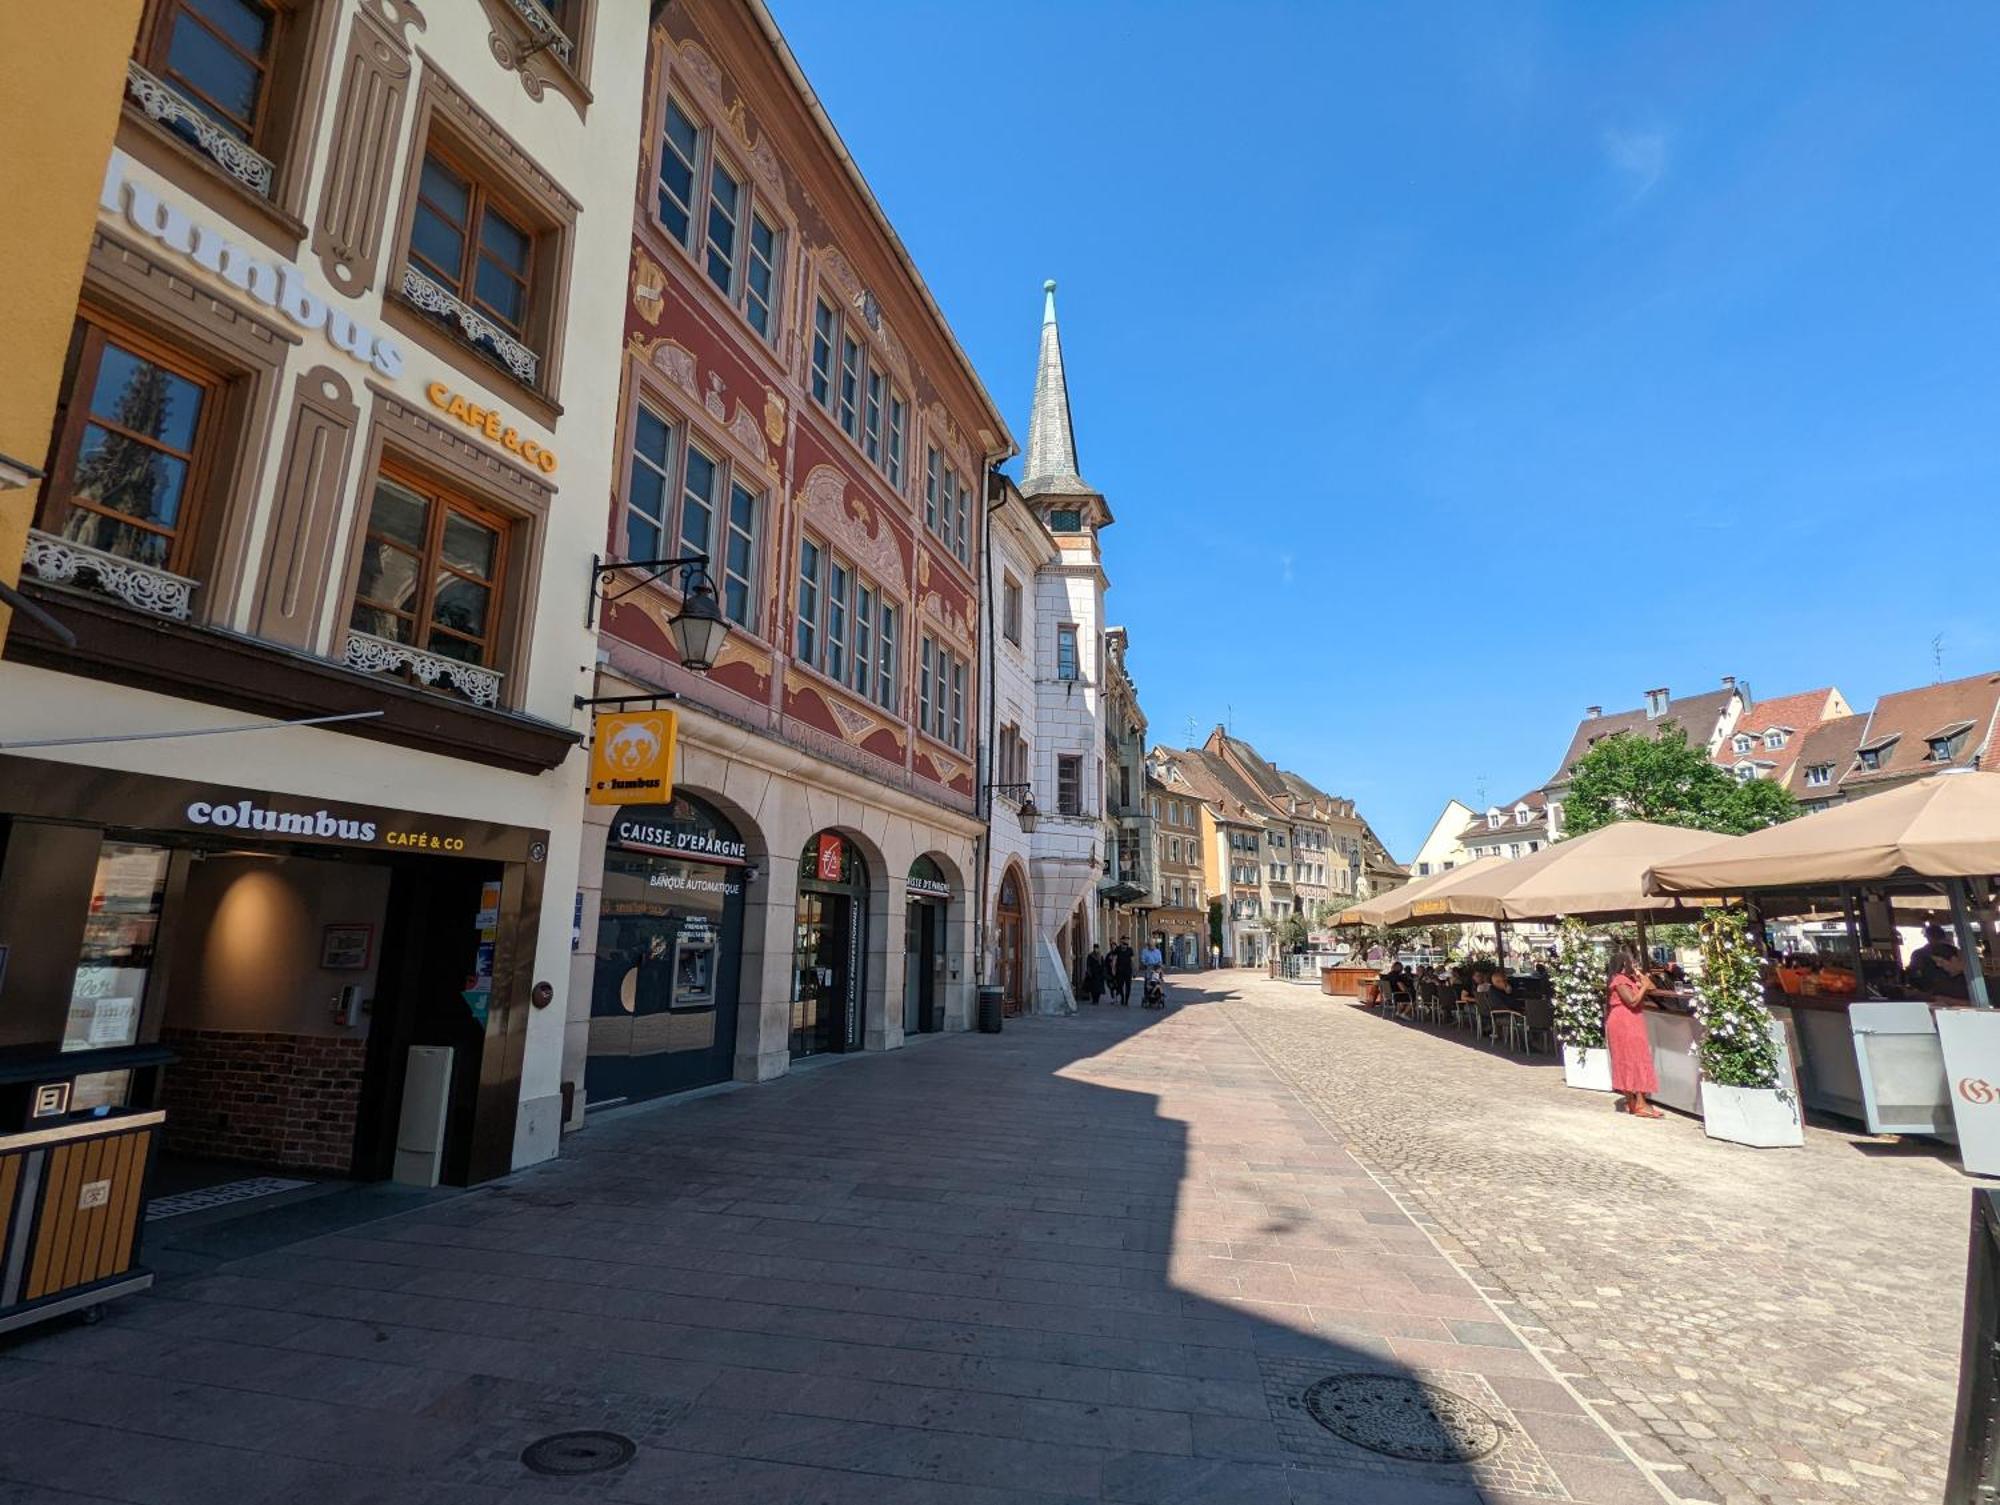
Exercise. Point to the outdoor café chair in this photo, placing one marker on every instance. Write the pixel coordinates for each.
(1509, 1026)
(1541, 1015)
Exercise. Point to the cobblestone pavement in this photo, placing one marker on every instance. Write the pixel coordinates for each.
(1783, 1323)
(1108, 1258)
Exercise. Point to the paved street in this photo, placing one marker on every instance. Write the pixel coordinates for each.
(1785, 1323)
(1109, 1258)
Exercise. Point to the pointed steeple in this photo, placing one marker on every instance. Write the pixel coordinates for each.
(1050, 468)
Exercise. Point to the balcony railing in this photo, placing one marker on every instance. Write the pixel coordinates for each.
(60, 562)
(543, 25)
(433, 298)
(174, 109)
(373, 655)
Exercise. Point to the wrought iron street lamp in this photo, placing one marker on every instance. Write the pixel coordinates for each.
(699, 627)
(1025, 813)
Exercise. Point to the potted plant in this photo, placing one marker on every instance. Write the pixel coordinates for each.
(1743, 1096)
(1580, 985)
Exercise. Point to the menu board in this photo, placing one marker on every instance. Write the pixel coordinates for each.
(120, 935)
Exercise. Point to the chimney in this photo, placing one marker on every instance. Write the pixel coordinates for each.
(1729, 681)
(1592, 712)
(1656, 703)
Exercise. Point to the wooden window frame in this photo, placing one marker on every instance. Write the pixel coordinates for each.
(443, 500)
(152, 49)
(480, 200)
(1069, 768)
(91, 331)
(449, 126)
(1010, 609)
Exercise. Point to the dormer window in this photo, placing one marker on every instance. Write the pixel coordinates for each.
(1819, 775)
(1522, 815)
(1871, 757)
(1946, 742)
(1745, 772)
(1743, 743)
(1774, 738)
(1493, 820)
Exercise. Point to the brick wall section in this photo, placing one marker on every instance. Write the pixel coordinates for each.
(278, 1100)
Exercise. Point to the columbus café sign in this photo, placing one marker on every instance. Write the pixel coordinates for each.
(278, 285)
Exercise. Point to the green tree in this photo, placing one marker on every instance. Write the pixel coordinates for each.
(1288, 930)
(1670, 782)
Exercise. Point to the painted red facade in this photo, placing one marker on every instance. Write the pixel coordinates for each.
(694, 359)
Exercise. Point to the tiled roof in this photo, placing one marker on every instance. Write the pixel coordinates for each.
(1698, 714)
(1831, 743)
(1208, 786)
(1794, 714)
(1902, 723)
(1537, 824)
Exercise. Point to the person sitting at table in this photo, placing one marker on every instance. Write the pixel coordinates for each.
(1946, 975)
(1924, 969)
(1626, 1037)
(1503, 988)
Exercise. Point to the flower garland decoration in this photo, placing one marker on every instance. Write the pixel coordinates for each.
(1737, 1048)
(1580, 988)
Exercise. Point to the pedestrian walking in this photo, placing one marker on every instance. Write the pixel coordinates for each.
(1121, 973)
(1632, 1074)
(1093, 976)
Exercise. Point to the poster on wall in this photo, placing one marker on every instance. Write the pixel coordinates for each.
(346, 948)
(479, 991)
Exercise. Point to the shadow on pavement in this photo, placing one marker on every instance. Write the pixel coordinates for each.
(1102, 1258)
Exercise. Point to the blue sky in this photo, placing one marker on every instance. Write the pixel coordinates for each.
(1452, 366)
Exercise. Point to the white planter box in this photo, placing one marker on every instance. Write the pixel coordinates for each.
(1756, 1116)
(1588, 1068)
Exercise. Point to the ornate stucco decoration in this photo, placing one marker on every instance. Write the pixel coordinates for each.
(852, 525)
(700, 70)
(839, 274)
(671, 359)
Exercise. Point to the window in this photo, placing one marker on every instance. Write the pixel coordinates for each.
(1010, 609)
(1065, 520)
(663, 469)
(941, 682)
(885, 653)
(871, 423)
(926, 668)
(957, 737)
(760, 288)
(836, 622)
(848, 408)
(964, 546)
(810, 564)
(1066, 664)
(681, 143)
(1745, 772)
(1871, 757)
(478, 250)
(1493, 820)
(947, 507)
(126, 471)
(933, 464)
(861, 674)
(898, 425)
(431, 569)
(1941, 749)
(217, 55)
(824, 329)
(1818, 775)
(1774, 738)
(1743, 742)
(725, 206)
(1069, 785)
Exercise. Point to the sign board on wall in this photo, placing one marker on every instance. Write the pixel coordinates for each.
(632, 757)
(832, 858)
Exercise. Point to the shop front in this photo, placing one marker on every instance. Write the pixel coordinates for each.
(263, 968)
(663, 1005)
(830, 950)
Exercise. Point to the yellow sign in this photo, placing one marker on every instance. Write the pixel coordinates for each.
(1429, 906)
(489, 422)
(632, 758)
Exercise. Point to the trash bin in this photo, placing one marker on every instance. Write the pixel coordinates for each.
(989, 1010)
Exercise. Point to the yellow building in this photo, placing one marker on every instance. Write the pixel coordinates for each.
(63, 123)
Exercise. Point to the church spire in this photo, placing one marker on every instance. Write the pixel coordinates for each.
(1050, 467)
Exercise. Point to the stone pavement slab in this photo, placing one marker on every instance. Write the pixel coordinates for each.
(1769, 1327)
(1110, 1258)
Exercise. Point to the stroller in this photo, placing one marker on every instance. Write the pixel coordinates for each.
(1155, 994)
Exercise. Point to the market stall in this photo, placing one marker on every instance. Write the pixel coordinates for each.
(1912, 1058)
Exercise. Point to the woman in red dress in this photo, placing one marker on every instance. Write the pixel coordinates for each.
(1632, 1073)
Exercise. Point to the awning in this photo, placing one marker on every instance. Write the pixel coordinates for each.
(1943, 826)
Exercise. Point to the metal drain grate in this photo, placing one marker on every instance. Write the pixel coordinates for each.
(1404, 1418)
(578, 1453)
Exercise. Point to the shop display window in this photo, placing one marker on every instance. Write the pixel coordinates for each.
(120, 939)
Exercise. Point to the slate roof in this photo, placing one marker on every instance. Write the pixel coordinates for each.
(1902, 724)
(1698, 714)
(1049, 468)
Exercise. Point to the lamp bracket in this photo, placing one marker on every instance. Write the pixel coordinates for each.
(693, 568)
(585, 701)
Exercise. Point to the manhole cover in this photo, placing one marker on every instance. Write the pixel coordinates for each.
(1404, 1418)
(578, 1453)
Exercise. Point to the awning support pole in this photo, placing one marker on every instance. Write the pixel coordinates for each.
(1968, 944)
(1499, 944)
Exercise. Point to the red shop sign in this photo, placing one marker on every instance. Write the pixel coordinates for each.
(832, 858)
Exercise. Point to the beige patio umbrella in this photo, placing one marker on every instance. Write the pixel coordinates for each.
(1375, 911)
(1427, 900)
(1945, 826)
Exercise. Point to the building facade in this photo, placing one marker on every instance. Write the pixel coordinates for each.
(322, 492)
(795, 412)
(1180, 865)
(1129, 890)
